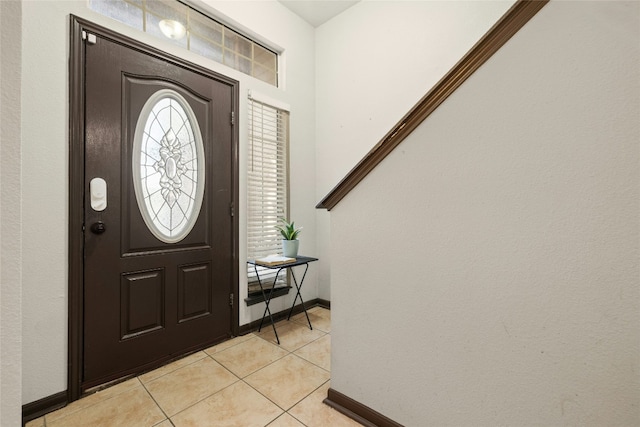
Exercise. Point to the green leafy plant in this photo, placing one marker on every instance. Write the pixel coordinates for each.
(288, 230)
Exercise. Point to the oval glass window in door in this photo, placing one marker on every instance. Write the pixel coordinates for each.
(168, 166)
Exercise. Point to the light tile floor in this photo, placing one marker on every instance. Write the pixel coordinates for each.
(246, 381)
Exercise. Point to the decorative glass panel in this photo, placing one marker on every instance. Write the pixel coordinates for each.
(168, 166)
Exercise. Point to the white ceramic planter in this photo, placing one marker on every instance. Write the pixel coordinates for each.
(290, 248)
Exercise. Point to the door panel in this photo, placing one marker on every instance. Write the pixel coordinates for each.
(142, 302)
(194, 294)
(146, 301)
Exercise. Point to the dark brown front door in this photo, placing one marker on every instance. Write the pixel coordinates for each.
(159, 237)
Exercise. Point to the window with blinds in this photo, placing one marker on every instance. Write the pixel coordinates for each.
(268, 187)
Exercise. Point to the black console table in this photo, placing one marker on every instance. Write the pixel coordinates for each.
(300, 260)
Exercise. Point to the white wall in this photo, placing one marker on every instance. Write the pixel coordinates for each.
(374, 62)
(504, 234)
(10, 190)
(44, 198)
(45, 163)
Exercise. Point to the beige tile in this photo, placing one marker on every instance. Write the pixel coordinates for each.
(320, 319)
(132, 409)
(292, 335)
(150, 376)
(38, 422)
(165, 423)
(313, 413)
(189, 385)
(286, 420)
(227, 344)
(249, 356)
(288, 380)
(318, 352)
(320, 311)
(94, 399)
(236, 405)
(302, 319)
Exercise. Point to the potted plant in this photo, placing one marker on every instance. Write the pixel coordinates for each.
(290, 242)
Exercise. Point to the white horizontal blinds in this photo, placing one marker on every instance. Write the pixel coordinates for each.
(267, 183)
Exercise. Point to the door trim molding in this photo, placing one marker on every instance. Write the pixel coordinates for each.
(76, 184)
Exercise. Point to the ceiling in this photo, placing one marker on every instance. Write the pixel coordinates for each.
(317, 12)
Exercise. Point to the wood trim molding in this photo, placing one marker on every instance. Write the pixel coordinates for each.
(510, 23)
(76, 209)
(324, 303)
(36, 409)
(357, 411)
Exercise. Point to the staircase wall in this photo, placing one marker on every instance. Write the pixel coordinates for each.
(486, 272)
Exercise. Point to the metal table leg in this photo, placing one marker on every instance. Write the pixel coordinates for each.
(267, 301)
(298, 287)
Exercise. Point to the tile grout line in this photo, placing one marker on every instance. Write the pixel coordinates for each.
(155, 401)
(205, 398)
(253, 372)
(284, 411)
(207, 355)
(309, 361)
(297, 403)
(289, 352)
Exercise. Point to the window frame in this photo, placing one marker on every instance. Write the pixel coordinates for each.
(270, 236)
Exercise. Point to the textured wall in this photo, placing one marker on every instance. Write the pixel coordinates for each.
(486, 273)
(10, 213)
(44, 198)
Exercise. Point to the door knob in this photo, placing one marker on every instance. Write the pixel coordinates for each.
(98, 227)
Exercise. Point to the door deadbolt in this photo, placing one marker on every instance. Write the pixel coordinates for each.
(98, 227)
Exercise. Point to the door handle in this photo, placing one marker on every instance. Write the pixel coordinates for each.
(98, 227)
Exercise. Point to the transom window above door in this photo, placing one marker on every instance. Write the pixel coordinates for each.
(194, 31)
